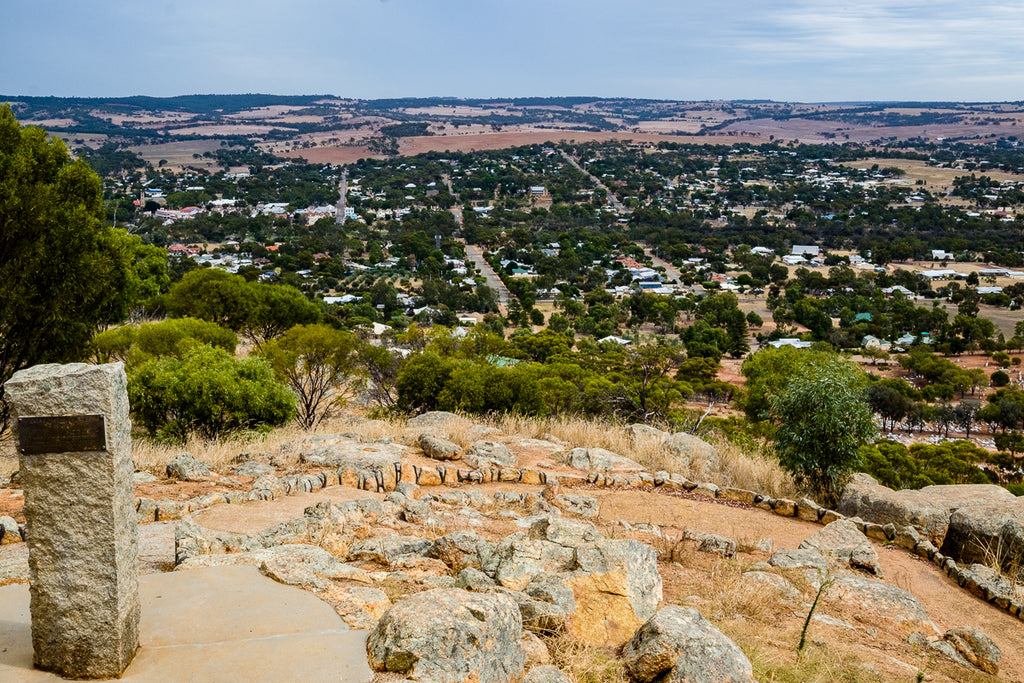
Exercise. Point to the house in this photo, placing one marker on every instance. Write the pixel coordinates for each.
(805, 250)
(346, 299)
(943, 274)
(502, 361)
(617, 340)
(793, 260)
(872, 342)
(762, 251)
(907, 340)
(942, 255)
(789, 341)
(900, 289)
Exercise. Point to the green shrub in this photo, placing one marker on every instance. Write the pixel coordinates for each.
(206, 392)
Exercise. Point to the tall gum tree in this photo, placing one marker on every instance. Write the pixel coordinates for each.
(63, 273)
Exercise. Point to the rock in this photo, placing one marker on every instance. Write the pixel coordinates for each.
(539, 616)
(804, 558)
(981, 533)
(536, 651)
(602, 460)
(458, 550)
(554, 589)
(640, 433)
(433, 418)
(546, 674)
(842, 541)
(185, 467)
(617, 587)
(450, 636)
(907, 537)
(9, 532)
(439, 449)
(584, 506)
(698, 454)
(678, 644)
(570, 533)
(762, 582)
(927, 509)
(360, 607)
(144, 478)
(517, 559)
(879, 598)
(419, 512)
(192, 540)
(252, 469)
(976, 647)
(473, 580)
(294, 564)
(992, 583)
(721, 545)
(484, 454)
(388, 550)
(352, 453)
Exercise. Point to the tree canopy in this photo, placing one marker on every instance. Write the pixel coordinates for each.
(63, 273)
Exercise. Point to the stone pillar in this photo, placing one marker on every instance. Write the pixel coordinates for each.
(74, 443)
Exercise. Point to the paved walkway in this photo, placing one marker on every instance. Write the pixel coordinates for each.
(212, 625)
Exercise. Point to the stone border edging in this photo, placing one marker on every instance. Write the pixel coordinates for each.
(379, 479)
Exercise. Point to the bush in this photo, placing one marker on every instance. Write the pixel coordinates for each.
(206, 392)
(824, 418)
(999, 378)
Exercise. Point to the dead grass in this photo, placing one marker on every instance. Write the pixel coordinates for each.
(733, 467)
(584, 663)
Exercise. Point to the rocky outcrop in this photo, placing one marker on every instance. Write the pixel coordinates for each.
(460, 550)
(450, 636)
(801, 558)
(617, 587)
(692, 451)
(584, 506)
(294, 564)
(517, 559)
(439, 449)
(185, 467)
(879, 599)
(844, 542)
(348, 451)
(433, 418)
(927, 509)
(677, 645)
(986, 533)
(10, 532)
(601, 460)
(975, 647)
(484, 454)
(546, 674)
(388, 550)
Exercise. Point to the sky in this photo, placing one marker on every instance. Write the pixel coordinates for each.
(785, 50)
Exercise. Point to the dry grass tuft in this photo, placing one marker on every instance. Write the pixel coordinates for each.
(584, 663)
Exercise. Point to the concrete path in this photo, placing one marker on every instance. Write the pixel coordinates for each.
(211, 625)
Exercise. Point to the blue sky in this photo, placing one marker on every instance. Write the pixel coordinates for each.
(797, 50)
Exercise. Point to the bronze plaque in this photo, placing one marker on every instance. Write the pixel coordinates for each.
(65, 434)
